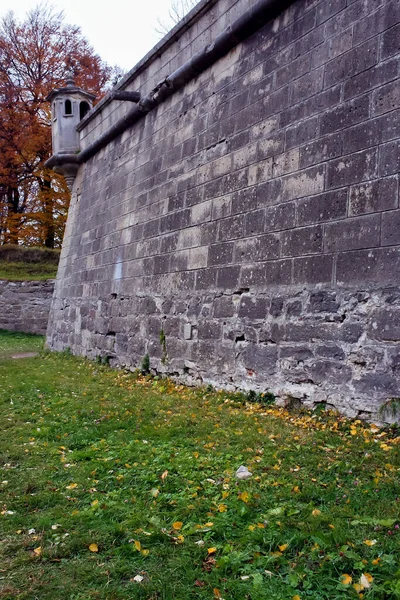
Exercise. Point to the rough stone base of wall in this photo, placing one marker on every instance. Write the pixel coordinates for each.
(25, 305)
(318, 346)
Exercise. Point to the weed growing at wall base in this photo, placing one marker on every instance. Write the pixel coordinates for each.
(116, 487)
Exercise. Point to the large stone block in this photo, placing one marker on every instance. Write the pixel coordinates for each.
(374, 196)
(345, 115)
(355, 168)
(380, 266)
(262, 359)
(351, 234)
(323, 207)
(300, 241)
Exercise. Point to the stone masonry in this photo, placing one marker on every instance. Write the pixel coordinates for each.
(253, 216)
(25, 305)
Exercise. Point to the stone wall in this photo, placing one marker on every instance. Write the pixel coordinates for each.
(253, 217)
(25, 305)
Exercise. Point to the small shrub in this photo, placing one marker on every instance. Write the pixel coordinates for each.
(266, 398)
(163, 342)
(390, 409)
(145, 366)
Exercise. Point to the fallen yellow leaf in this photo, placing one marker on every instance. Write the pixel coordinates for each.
(138, 545)
(244, 496)
(145, 552)
(38, 551)
(369, 542)
(93, 548)
(283, 547)
(72, 486)
(211, 550)
(164, 475)
(346, 579)
(177, 525)
(366, 579)
(316, 512)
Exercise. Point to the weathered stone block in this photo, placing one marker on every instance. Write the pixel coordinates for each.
(345, 115)
(389, 158)
(231, 228)
(251, 307)
(224, 307)
(391, 228)
(351, 169)
(374, 196)
(322, 149)
(323, 207)
(390, 41)
(255, 222)
(385, 324)
(304, 183)
(323, 301)
(302, 133)
(244, 200)
(381, 385)
(349, 64)
(228, 277)
(209, 330)
(372, 78)
(380, 266)
(220, 254)
(351, 234)
(330, 372)
(262, 359)
(313, 269)
(306, 240)
(386, 98)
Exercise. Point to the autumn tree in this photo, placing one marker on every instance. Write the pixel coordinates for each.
(35, 56)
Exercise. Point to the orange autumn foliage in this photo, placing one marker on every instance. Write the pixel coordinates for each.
(35, 56)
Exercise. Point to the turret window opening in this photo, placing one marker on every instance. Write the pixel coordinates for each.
(83, 109)
(68, 108)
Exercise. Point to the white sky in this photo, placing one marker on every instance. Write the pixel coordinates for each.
(120, 31)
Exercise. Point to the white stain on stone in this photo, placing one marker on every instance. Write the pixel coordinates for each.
(118, 271)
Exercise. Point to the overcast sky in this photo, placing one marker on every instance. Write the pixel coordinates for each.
(120, 31)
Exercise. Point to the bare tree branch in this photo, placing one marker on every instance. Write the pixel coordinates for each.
(178, 9)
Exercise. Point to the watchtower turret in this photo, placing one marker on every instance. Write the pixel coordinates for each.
(69, 105)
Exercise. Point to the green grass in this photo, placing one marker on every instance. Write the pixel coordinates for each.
(19, 263)
(12, 342)
(18, 271)
(143, 471)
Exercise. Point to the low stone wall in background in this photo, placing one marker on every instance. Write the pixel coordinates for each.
(25, 305)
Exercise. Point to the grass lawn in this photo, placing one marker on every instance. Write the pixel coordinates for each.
(16, 271)
(13, 342)
(120, 488)
(19, 263)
